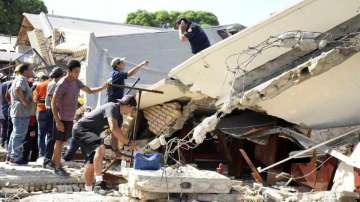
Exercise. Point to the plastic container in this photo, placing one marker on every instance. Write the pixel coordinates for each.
(146, 161)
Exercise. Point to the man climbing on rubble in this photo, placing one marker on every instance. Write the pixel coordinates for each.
(118, 77)
(63, 106)
(87, 132)
(192, 32)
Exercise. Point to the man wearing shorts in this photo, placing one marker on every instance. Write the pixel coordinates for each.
(63, 106)
(87, 132)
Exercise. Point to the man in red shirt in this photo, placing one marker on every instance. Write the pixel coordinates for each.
(42, 114)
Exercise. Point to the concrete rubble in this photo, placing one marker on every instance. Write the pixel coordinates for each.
(268, 97)
(35, 178)
(185, 179)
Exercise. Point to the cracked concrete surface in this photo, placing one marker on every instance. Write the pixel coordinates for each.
(318, 94)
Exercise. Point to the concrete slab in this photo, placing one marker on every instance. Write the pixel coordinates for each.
(324, 101)
(185, 179)
(76, 196)
(172, 90)
(34, 175)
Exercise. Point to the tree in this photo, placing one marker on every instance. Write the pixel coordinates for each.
(167, 19)
(12, 10)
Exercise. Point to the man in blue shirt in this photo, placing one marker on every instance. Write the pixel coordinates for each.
(190, 31)
(118, 77)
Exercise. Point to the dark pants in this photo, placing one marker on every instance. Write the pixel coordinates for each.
(50, 140)
(44, 121)
(4, 137)
(6, 125)
(73, 147)
(31, 150)
(88, 142)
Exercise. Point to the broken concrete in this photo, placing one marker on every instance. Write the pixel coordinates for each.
(34, 178)
(185, 179)
(277, 85)
(295, 97)
(76, 196)
(125, 190)
(328, 196)
(173, 90)
(344, 176)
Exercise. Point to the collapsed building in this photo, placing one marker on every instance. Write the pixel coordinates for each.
(274, 103)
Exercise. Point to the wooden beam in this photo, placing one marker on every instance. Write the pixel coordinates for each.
(256, 175)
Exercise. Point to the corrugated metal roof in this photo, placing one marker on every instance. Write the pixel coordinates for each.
(100, 28)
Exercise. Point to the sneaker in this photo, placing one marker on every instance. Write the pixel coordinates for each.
(40, 160)
(101, 188)
(48, 164)
(61, 172)
(18, 163)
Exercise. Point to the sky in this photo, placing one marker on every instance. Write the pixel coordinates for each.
(245, 12)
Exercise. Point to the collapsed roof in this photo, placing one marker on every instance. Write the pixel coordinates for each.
(100, 28)
(230, 69)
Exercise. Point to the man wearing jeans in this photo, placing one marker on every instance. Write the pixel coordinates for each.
(21, 108)
(42, 114)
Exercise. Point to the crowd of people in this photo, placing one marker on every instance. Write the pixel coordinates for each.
(39, 115)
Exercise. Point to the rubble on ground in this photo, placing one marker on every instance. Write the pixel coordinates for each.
(270, 114)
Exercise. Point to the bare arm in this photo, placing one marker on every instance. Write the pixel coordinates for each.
(116, 131)
(54, 109)
(94, 90)
(182, 30)
(35, 95)
(136, 68)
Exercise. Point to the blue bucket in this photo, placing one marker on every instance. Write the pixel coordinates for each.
(146, 161)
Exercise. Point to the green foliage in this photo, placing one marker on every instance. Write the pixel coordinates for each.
(167, 19)
(11, 13)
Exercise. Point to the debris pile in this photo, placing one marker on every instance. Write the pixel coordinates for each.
(270, 114)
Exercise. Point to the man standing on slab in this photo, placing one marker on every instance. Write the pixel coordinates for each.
(63, 106)
(192, 32)
(118, 76)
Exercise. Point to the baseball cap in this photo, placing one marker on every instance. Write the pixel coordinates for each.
(116, 61)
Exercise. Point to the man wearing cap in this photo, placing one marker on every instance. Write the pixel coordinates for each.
(21, 108)
(192, 32)
(87, 132)
(118, 77)
(63, 106)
